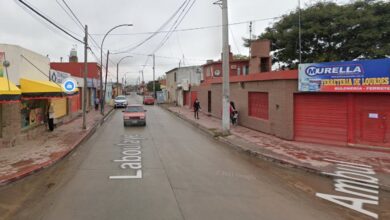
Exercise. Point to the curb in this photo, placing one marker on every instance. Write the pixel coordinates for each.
(283, 163)
(50, 163)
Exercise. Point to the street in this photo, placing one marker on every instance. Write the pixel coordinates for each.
(185, 175)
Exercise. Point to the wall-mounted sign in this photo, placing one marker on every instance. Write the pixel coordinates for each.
(351, 76)
(58, 76)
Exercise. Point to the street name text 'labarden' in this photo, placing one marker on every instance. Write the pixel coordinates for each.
(354, 179)
(131, 157)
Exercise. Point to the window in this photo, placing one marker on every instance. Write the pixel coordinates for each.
(238, 71)
(174, 77)
(264, 66)
(258, 105)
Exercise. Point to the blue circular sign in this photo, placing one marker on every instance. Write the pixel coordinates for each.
(69, 85)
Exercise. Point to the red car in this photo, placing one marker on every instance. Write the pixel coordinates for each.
(134, 115)
(148, 100)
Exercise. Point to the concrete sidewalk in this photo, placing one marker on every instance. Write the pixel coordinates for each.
(307, 156)
(45, 150)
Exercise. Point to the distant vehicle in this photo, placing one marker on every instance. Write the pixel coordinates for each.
(148, 100)
(134, 115)
(120, 101)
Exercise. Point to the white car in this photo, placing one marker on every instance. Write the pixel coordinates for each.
(120, 101)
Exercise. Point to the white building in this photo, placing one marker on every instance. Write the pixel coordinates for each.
(179, 82)
(25, 64)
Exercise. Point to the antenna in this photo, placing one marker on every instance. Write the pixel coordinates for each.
(250, 39)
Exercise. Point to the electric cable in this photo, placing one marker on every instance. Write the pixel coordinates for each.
(50, 21)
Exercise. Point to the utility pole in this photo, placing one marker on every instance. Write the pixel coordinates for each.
(85, 77)
(250, 39)
(300, 33)
(225, 70)
(154, 81)
(105, 81)
(117, 79)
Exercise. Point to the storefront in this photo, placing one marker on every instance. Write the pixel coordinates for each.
(344, 103)
(36, 96)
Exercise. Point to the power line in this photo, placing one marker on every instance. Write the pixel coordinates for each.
(48, 20)
(152, 34)
(195, 28)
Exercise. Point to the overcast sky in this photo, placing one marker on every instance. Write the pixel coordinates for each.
(21, 27)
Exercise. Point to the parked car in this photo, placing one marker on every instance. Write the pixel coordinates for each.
(134, 115)
(120, 101)
(148, 100)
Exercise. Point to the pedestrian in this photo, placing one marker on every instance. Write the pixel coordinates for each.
(50, 114)
(96, 103)
(196, 108)
(233, 113)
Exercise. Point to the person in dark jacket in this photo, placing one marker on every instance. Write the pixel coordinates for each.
(196, 108)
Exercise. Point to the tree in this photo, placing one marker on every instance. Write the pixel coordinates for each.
(149, 86)
(332, 32)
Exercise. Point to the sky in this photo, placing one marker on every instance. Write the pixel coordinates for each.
(22, 27)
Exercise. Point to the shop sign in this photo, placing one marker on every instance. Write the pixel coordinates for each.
(58, 76)
(2, 55)
(351, 76)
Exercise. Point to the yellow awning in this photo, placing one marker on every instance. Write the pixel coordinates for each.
(8, 91)
(8, 88)
(40, 88)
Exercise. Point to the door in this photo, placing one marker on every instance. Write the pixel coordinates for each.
(209, 101)
(321, 118)
(194, 95)
(372, 119)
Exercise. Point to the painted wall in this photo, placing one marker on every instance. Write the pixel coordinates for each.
(281, 106)
(21, 68)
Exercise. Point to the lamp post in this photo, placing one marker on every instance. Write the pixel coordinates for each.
(117, 73)
(101, 63)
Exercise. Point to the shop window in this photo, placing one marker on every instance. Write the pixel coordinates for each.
(33, 113)
(258, 105)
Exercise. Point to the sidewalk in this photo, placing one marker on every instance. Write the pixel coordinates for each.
(305, 156)
(45, 150)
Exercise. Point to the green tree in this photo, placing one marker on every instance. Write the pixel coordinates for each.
(332, 32)
(149, 86)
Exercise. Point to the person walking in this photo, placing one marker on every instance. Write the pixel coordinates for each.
(51, 116)
(233, 113)
(196, 108)
(96, 103)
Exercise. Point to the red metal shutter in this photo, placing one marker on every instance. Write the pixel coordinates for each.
(321, 118)
(258, 105)
(372, 120)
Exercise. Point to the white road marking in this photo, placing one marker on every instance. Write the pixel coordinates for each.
(354, 179)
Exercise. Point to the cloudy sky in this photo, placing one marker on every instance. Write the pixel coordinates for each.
(189, 47)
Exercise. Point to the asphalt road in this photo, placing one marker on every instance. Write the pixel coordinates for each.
(185, 175)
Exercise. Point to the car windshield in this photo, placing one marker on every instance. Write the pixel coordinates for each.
(134, 109)
(148, 97)
(120, 98)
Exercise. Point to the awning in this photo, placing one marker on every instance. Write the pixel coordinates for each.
(8, 91)
(40, 89)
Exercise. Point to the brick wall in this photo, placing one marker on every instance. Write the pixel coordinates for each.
(281, 106)
(11, 124)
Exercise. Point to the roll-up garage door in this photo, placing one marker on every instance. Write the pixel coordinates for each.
(321, 118)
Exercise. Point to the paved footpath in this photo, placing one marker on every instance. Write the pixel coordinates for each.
(34, 155)
(306, 156)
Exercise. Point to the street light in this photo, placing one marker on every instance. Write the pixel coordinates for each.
(117, 73)
(101, 63)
